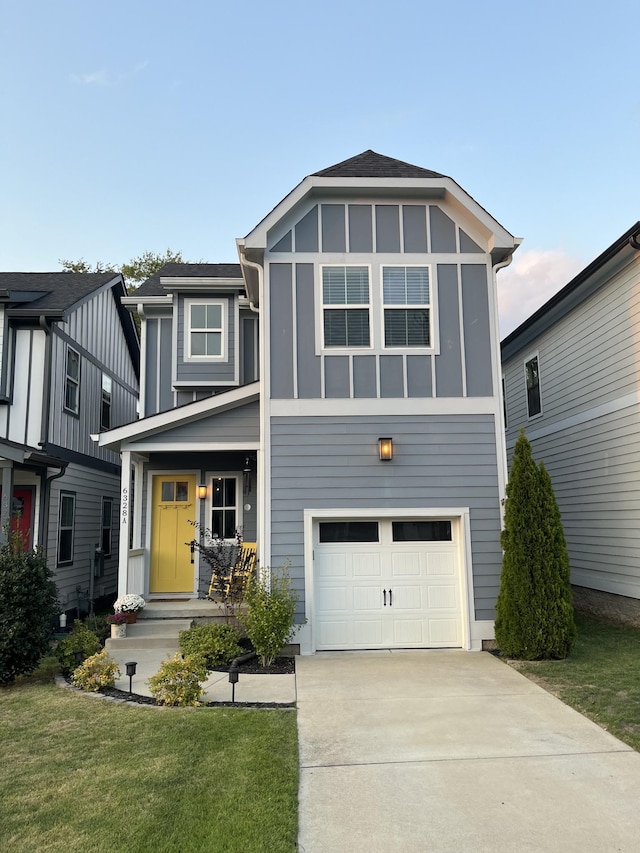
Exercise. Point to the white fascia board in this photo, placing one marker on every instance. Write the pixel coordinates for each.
(184, 414)
(147, 300)
(201, 283)
(434, 187)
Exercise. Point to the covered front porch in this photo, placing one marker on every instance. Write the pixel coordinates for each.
(190, 473)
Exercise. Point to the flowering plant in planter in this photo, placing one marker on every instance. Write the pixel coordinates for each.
(116, 619)
(130, 603)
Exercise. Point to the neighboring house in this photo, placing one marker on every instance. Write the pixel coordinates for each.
(69, 356)
(361, 320)
(572, 382)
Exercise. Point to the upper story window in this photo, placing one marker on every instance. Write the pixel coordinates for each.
(346, 306)
(206, 335)
(407, 306)
(532, 378)
(105, 404)
(72, 382)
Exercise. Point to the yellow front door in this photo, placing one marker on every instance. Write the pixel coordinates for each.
(174, 506)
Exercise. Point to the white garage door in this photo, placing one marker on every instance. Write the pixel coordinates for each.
(387, 583)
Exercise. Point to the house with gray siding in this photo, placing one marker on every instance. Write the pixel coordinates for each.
(571, 382)
(336, 395)
(69, 360)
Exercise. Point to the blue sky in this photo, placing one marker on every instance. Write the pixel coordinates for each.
(134, 126)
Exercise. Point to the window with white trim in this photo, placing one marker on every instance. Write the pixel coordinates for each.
(346, 306)
(532, 380)
(407, 307)
(206, 336)
(66, 520)
(72, 381)
(106, 526)
(105, 403)
(224, 507)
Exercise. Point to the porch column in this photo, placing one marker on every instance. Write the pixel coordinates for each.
(7, 496)
(125, 521)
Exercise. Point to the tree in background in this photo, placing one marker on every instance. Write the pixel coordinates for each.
(135, 272)
(534, 612)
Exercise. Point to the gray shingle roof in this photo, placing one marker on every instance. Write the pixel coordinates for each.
(369, 164)
(152, 286)
(60, 290)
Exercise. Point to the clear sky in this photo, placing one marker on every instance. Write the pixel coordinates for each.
(147, 124)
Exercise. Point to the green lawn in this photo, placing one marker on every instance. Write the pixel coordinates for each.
(601, 678)
(83, 774)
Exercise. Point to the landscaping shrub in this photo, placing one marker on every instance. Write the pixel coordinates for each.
(215, 644)
(99, 626)
(80, 637)
(97, 671)
(177, 682)
(28, 607)
(268, 620)
(534, 612)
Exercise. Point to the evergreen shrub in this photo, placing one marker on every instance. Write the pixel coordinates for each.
(215, 644)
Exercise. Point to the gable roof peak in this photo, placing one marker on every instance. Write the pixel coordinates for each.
(370, 164)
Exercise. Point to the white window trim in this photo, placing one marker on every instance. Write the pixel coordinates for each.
(531, 357)
(224, 331)
(409, 350)
(228, 475)
(68, 378)
(320, 344)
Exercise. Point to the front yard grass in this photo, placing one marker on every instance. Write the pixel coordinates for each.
(601, 677)
(84, 774)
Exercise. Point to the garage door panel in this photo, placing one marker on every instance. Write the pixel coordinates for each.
(368, 633)
(408, 597)
(367, 598)
(331, 565)
(408, 632)
(443, 632)
(441, 597)
(366, 565)
(406, 565)
(441, 563)
(335, 633)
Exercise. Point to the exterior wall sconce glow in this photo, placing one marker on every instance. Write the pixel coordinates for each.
(202, 492)
(385, 448)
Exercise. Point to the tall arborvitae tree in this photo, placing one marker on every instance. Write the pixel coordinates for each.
(534, 614)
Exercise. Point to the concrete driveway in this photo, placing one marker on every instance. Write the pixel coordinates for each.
(453, 751)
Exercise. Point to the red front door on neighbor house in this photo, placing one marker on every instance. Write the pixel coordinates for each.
(22, 512)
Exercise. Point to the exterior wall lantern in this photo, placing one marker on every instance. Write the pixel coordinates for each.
(202, 492)
(385, 448)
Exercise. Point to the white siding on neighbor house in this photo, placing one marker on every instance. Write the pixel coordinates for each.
(24, 417)
(89, 486)
(587, 435)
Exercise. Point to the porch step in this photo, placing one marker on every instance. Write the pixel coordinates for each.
(193, 608)
(151, 634)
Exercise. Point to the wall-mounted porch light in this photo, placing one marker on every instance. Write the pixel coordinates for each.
(202, 492)
(385, 448)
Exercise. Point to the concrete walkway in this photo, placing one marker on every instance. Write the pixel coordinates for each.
(451, 752)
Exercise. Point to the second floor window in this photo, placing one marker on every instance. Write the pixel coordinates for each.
(72, 382)
(206, 330)
(346, 306)
(105, 405)
(407, 307)
(532, 376)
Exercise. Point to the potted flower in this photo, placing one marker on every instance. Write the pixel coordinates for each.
(118, 622)
(129, 605)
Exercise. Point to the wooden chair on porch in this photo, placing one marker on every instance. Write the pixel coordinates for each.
(234, 583)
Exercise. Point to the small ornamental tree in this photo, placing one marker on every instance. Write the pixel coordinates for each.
(28, 607)
(534, 613)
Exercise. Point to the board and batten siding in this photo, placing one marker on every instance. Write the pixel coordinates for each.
(321, 462)
(89, 487)
(462, 368)
(587, 434)
(214, 372)
(22, 422)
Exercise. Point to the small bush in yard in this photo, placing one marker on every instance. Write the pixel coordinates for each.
(215, 644)
(80, 637)
(177, 682)
(534, 612)
(28, 607)
(269, 617)
(96, 672)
